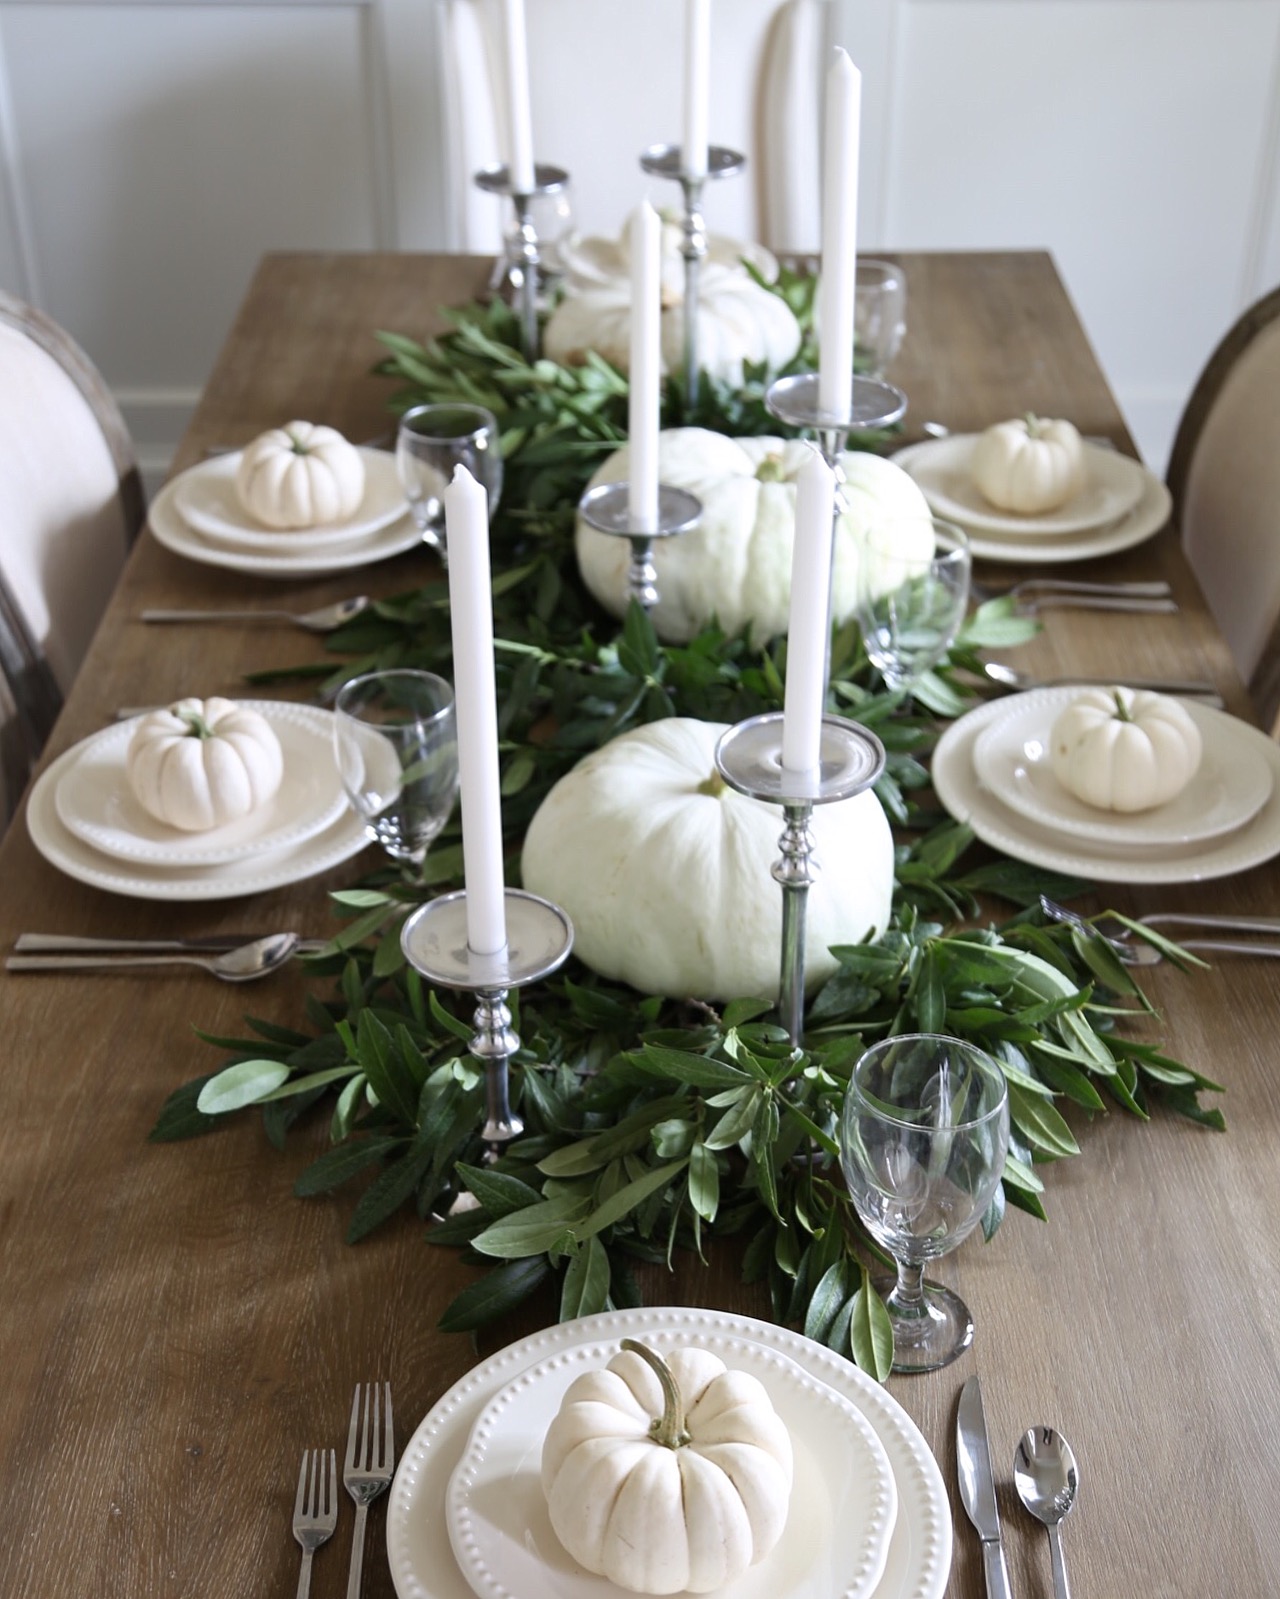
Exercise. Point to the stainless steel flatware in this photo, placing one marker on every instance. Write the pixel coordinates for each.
(239, 965)
(213, 943)
(315, 1510)
(1134, 952)
(1154, 589)
(1045, 1475)
(322, 620)
(366, 1472)
(1008, 677)
(978, 1486)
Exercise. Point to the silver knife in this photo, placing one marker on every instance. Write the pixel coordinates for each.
(978, 1486)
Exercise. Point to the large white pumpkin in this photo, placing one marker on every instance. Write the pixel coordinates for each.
(669, 1475)
(665, 872)
(736, 564)
(738, 320)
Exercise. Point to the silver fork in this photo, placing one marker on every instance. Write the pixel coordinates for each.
(1032, 592)
(366, 1472)
(315, 1510)
(1134, 952)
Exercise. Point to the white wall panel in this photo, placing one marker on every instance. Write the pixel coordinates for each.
(1125, 137)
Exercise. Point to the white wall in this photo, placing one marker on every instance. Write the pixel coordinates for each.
(151, 151)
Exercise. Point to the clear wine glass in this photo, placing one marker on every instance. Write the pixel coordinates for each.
(879, 315)
(924, 1133)
(396, 745)
(431, 441)
(914, 591)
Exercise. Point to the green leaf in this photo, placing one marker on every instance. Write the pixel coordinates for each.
(496, 1294)
(534, 1229)
(180, 1116)
(704, 1182)
(586, 1281)
(627, 1198)
(828, 1297)
(499, 1193)
(245, 1083)
(737, 1121)
(871, 1332)
(1040, 1124)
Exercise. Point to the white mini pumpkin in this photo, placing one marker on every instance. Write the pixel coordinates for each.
(738, 320)
(736, 564)
(201, 763)
(665, 872)
(667, 1476)
(1124, 749)
(1028, 465)
(299, 476)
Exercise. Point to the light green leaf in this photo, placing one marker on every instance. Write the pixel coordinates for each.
(246, 1083)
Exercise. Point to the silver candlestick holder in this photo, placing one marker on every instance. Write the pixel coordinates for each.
(667, 161)
(874, 404)
(539, 938)
(749, 758)
(608, 509)
(523, 250)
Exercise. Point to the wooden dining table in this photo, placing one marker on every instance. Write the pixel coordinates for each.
(176, 1327)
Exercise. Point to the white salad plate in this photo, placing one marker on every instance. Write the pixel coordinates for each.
(1031, 545)
(839, 1520)
(206, 499)
(943, 468)
(172, 530)
(95, 802)
(1230, 786)
(418, 1547)
(137, 880)
(969, 799)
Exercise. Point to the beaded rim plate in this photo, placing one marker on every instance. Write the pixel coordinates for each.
(840, 1516)
(421, 1560)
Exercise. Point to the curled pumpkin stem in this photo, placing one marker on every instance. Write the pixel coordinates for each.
(668, 1429)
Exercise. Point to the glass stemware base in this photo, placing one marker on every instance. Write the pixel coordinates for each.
(930, 1329)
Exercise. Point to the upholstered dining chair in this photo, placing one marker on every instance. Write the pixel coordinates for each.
(606, 79)
(1224, 475)
(71, 503)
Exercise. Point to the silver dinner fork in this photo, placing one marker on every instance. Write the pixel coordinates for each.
(1132, 951)
(366, 1472)
(315, 1510)
(1037, 593)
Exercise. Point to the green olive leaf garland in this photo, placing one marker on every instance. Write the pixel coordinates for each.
(653, 1126)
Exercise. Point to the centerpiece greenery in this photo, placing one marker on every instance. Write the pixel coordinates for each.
(653, 1126)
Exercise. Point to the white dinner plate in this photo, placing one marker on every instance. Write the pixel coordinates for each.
(1145, 519)
(841, 1513)
(1012, 759)
(95, 802)
(170, 529)
(231, 880)
(206, 498)
(967, 798)
(1113, 485)
(418, 1548)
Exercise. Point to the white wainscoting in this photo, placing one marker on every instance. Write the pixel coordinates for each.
(150, 152)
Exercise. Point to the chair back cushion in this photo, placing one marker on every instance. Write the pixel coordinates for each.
(64, 530)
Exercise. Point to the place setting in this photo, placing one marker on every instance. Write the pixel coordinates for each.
(298, 501)
(1032, 491)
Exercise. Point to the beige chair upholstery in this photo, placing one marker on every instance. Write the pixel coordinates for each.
(587, 59)
(70, 505)
(1224, 474)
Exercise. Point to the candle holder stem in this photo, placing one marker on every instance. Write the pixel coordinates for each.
(795, 871)
(523, 250)
(607, 508)
(493, 1043)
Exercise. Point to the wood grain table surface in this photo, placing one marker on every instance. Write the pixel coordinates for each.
(175, 1326)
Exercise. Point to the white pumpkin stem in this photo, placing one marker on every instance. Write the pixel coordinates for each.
(712, 786)
(1034, 425)
(771, 470)
(1122, 710)
(197, 727)
(668, 1429)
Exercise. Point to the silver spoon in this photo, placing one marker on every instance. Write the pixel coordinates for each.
(1009, 677)
(1045, 1475)
(241, 965)
(323, 620)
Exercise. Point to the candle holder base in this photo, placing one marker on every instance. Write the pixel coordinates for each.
(523, 249)
(875, 404)
(539, 938)
(749, 758)
(607, 508)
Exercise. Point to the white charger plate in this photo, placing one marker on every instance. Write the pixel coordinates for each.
(95, 802)
(421, 1559)
(1113, 485)
(206, 498)
(1230, 786)
(231, 880)
(841, 1513)
(1029, 548)
(966, 797)
(170, 529)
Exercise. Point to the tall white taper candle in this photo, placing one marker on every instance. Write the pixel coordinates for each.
(697, 76)
(809, 620)
(837, 287)
(646, 366)
(520, 157)
(466, 510)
